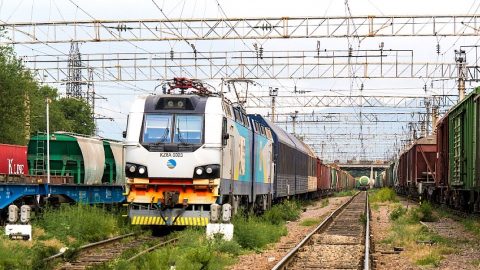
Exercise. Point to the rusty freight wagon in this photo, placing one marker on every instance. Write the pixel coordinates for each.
(441, 172)
(416, 169)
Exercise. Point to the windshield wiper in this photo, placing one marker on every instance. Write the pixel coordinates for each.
(180, 137)
(163, 138)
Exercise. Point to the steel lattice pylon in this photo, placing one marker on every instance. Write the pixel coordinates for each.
(74, 77)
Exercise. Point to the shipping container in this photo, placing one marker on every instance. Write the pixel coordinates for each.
(13, 162)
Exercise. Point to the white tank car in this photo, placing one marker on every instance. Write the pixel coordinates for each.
(371, 182)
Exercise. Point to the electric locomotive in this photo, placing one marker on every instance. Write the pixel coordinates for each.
(191, 156)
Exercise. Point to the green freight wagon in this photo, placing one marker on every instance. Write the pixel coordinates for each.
(464, 150)
(88, 160)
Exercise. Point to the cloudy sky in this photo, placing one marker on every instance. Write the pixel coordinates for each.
(119, 95)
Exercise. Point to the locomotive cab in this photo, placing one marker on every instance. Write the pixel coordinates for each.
(173, 158)
(173, 164)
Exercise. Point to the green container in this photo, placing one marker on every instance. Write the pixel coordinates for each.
(88, 160)
(363, 181)
(65, 156)
(333, 177)
(463, 146)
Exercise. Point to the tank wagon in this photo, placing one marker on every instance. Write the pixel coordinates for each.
(83, 169)
(363, 183)
(443, 168)
(191, 155)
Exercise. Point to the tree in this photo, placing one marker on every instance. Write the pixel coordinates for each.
(16, 83)
(78, 115)
(23, 104)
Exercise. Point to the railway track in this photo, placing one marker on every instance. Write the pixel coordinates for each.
(107, 250)
(341, 241)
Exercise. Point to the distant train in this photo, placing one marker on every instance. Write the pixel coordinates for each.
(364, 183)
(444, 167)
(192, 154)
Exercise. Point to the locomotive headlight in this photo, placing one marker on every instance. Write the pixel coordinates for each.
(180, 104)
(170, 103)
(132, 168)
(210, 171)
(141, 170)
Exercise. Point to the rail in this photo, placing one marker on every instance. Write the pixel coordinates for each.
(283, 264)
(150, 249)
(366, 262)
(91, 245)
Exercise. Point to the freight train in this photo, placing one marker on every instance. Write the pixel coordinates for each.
(191, 154)
(83, 169)
(444, 167)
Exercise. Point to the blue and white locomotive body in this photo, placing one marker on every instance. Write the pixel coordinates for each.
(188, 155)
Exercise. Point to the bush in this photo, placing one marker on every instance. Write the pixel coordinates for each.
(23, 255)
(255, 233)
(383, 195)
(424, 213)
(397, 212)
(79, 223)
(192, 251)
(472, 225)
(285, 211)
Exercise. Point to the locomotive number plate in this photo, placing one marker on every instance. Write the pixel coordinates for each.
(171, 154)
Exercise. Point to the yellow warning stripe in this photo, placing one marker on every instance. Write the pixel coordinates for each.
(181, 221)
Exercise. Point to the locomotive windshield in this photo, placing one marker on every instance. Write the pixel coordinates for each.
(168, 128)
(157, 128)
(188, 129)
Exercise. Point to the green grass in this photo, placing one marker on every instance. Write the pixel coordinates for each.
(192, 251)
(324, 203)
(80, 224)
(254, 233)
(382, 195)
(424, 213)
(472, 225)
(195, 251)
(475, 263)
(285, 211)
(397, 212)
(55, 228)
(406, 231)
(430, 259)
(23, 255)
(310, 222)
(344, 193)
